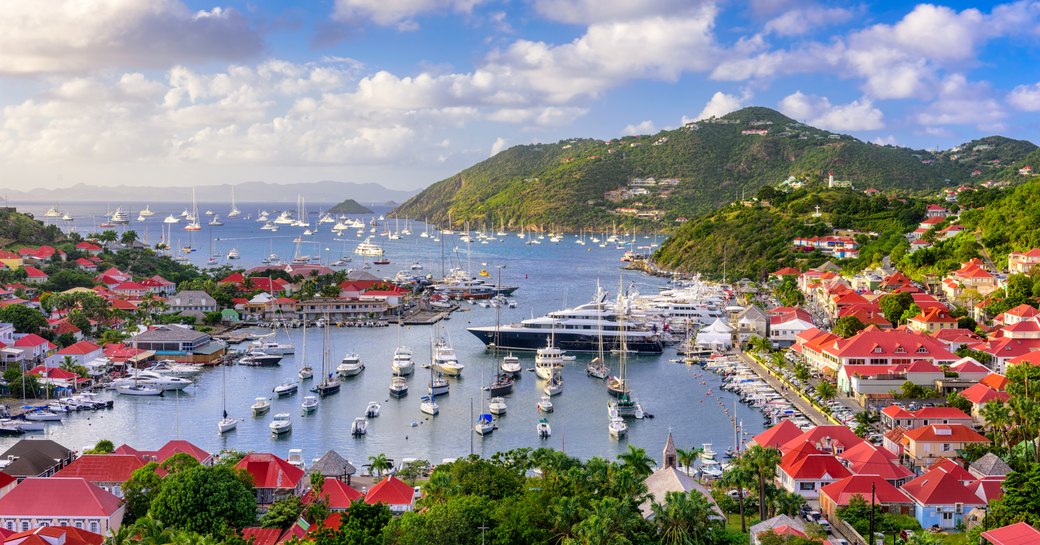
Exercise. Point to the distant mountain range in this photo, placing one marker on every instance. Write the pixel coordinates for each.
(246, 192)
(588, 183)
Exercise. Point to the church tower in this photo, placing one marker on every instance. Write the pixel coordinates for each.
(668, 459)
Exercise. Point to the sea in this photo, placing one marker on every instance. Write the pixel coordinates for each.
(684, 400)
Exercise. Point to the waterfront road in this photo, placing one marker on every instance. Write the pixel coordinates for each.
(791, 394)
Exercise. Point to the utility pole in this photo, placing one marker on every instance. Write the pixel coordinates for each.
(871, 538)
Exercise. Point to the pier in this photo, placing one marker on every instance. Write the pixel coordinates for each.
(425, 317)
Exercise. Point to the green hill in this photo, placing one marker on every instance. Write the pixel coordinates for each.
(350, 206)
(577, 183)
(24, 230)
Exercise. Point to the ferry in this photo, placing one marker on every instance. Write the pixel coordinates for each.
(577, 329)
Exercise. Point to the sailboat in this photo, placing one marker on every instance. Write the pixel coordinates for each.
(226, 423)
(485, 422)
(194, 217)
(428, 403)
(306, 372)
(597, 368)
(618, 386)
(234, 212)
(329, 385)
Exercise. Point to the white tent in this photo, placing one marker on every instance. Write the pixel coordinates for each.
(717, 336)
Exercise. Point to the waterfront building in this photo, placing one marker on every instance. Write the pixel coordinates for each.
(179, 343)
(60, 501)
(894, 415)
(752, 322)
(337, 309)
(393, 492)
(786, 323)
(194, 303)
(874, 346)
(35, 458)
(80, 353)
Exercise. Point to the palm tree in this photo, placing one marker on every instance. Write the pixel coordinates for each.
(739, 477)
(637, 459)
(437, 488)
(686, 457)
(763, 462)
(379, 463)
(683, 519)
(865, 422)
(786, 502)
(826, 390)
(563, 515)
(128, 237)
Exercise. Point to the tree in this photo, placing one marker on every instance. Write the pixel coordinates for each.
(282, 513)
(207, 500)
(910, 312)
(826, 390)
(686, 457)
(378, 464)
(685, 519)
(66, 279)
(1020, 501)
(363, 525)
(847, 326)
(128, 237)
(957, 401)
(139, 491)
(318, 509)
(23, 318)
(107, 236)
(103, 446)
(894, 305)
(65, 339)
(865, 422)
(762, 462)
(637, 459)
(924, 538)
(212, 317)
(414, 469)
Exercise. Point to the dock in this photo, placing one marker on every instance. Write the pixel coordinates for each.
(425, 317)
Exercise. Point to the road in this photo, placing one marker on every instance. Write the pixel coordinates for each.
(985, 254)
(811, 412)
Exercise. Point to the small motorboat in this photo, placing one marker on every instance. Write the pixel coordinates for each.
(497, 406)
(351, 366)
(545, 404)
(359, 427)
(310, 404)
(286, 388)
(617, 427)
(398, 387)
(306, 373)
(511, 366)
(544, 429)
(260, 406)
(372, 410)
(281, 424)
(130, 390)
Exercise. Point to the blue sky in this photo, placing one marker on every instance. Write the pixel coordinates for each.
(407, 92)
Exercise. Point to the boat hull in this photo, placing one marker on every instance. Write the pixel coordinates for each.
(398, 393)
(570, 342)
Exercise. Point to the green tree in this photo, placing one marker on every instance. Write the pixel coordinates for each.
(363, 524)
(378, 464)
(686, 457)
(65, 339)
(139, 491)
(282, 513)
(957, 401)
(318, 509)
(23, 318)
(66, 279)
(865, 422)
(107, 236)
(847, 326)
(763, 462)
(1020, 501)
(910, 312)
(894, 305)
(826, 390)
(924, 538)
(413, 470)
(212, 318)
(685, 519)
(103, 446)
(128, 237)
(637, 459)
(179, 462)
(207, 500)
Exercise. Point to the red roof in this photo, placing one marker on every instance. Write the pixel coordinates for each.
(968, 365)
(815, 466)
(81, 348)
(981, 393)
(1032, 358)
(1023, 311)
(270, 471)
(938, 487)
(786, 271)
(233, 278)
(866, 459)
(175, 446)
(5, 479)
(1019, 533)
(391, 491)
(52, 535)
(953, 468)
(33, 272)
(935, 315)
(825, 437)
(995, 381)
(337, 494)
(777, 435)
(88, 247)
(874, 342)
(53, 373)
(840, 492)
(103, 468)
(946, 433)
(120, 352)
(55, 497)
(785, 530)
(261, 536)
(32, 340)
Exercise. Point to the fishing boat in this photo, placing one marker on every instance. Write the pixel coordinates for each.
(350, 366)
(617, 427)
(511, 366)
(497, 406)
(328, 385)
(281, 424)
(485, 424)
(260, 406)
(372, 410)
(226, 423)
(398, 387)
(545, 404)
(359, 426)
(287, 388)
(310, 404)
(544, 429)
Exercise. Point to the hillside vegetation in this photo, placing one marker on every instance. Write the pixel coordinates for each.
(24, 230)
(714, 162)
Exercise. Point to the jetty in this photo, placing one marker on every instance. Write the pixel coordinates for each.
(425, 317)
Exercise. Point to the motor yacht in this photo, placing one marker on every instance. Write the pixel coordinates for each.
(151, 378)
(281, 424)
(350, 366)
(545, 404)
(511, 366)
(372, 410)
(310, 404)
(257, 358)
(497, 406)
(544, 429)
(286, 389)
(398, 387)
(359, 426)
(402, 364)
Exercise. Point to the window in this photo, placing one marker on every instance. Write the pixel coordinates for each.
(25, 525)
(94, 527)
(947, 447)
(78, 524)
(806, 486)
(10, 525)
(922, 350)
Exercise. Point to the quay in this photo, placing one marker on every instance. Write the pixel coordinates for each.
(789, 393)
(425, 317)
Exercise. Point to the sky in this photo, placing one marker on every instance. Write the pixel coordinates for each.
(408, 92)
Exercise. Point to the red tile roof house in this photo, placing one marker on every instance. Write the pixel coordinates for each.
(887, 497)
(894, 415)
(337, 494)
(833, 439)
(784, 432)
(109, 471)
(1019, 533)
(174, 446)
(89, 247)
(1023, 262)
(926, 444)
(273, 478)
(60, 501)
(940, 499)
(393, 492)
(1017, 314)
(35, 276)
(806, 469)
(81, 353)
(55, 535)
(866, 459)
(59, 378)
(879, 347)
(86, 265)
(971, 275)
(785, 326)
(981, 394)
(932, 321)
(876, 382)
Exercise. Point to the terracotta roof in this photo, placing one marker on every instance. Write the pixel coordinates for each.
(1032, 358)
(981, 393)
(938, 487)
(968, 365)
(261, 536)
(1019, 533)
(995, 381)
(391, 491)
(103, 468)
(825, 436)
(840, 492)
(270, 471)
(935, 315)
(58, 497)
(777, 435)
(953, 468)
(946, 433)
(866, 459)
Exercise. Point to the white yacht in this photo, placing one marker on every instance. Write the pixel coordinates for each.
(147, 212)
(215, 222)
(497, 406)
(145, 377)
(359, 426)
(545, 404)
(398, 386)
(260, 406)
(548, 361)
(511, 366)
(233, 254)
(310, 404)
(445, 360)
(282, 423)
(554, 386)
(350, 365)
(617, 427)
(171, 368)
(485, 424)
(42, 415)
(172, 219)
(286, 388)
(543, 428)
(428, 405)
(268, 346)
(135, 390)
(52, 212)
(369, 248)
(372, 410)
(120, 217)
(403, 364)
(226, 424)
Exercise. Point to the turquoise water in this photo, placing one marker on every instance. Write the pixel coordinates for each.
(684, 400)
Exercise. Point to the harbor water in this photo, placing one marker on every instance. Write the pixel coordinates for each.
(684, 400)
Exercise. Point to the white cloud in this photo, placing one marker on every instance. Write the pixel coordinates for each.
(721, 104)
(961, 102)
(800, 21)
(69, 36)
(497, 146)
(397, 13)
(643, 127)
(1025, 97)
(597, 11)
(858, 115)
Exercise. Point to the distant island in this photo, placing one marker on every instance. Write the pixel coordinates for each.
(350, 206)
